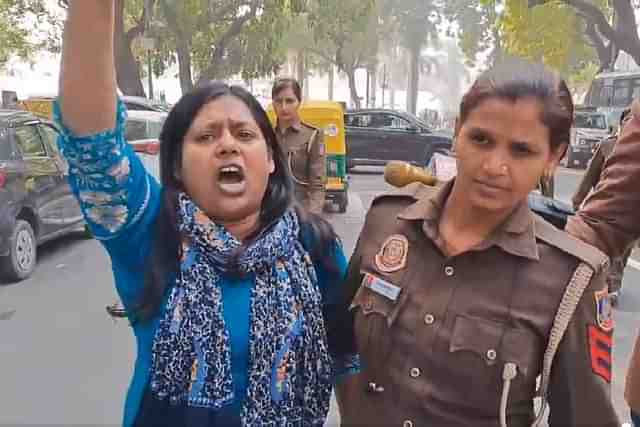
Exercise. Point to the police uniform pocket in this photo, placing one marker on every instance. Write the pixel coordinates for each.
(480, 337)
(480, 348)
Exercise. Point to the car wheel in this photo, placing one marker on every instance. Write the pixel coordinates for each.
(21, 261)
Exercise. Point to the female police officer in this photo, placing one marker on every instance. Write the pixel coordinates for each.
(461, 297)
(302, 143)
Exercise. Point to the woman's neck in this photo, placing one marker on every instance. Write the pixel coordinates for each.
(243, 228)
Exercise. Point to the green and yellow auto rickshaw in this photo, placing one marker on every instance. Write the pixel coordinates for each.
(328, 116)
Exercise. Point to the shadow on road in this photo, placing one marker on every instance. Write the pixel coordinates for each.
(47, 251)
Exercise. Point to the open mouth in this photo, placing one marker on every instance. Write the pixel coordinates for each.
(231, 180)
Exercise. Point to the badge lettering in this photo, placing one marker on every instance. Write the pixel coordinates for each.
(382, 287)
(393, 254)
(604, 310)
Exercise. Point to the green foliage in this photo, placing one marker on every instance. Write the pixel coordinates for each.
(341, 32)
(226, 37)
(26, 27)
(551, 33)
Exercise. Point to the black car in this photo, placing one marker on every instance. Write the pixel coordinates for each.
(36, 202)
(377, 136)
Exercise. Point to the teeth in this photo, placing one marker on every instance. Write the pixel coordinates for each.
(230, 169)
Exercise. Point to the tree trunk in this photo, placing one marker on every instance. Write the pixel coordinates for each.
(624, 36)
(183, 48)
(331, 81)
(374, 85)
(414, 79)
(184, 66)
(355, 99)
(127, 68)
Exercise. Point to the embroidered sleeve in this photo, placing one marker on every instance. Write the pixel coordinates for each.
(106, 177)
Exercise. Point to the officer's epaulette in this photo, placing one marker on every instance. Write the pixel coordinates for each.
(414, 191)
(570, 245)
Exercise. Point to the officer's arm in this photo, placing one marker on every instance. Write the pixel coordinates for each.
(590, 178)
(317, 173)
(609, 216)
(580, 383)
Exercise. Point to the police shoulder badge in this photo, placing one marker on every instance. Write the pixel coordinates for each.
(604, 310)
(393, 254)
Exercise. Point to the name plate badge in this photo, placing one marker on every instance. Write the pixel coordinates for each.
(382, 287)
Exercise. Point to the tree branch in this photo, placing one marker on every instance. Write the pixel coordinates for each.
(219, 47)
(626, 38)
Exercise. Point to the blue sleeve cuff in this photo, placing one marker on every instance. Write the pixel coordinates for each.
(106, 176)
(346, 365)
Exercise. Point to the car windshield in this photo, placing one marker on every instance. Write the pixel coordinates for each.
(590, 121)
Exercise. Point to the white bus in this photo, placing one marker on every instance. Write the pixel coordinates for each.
(613, 92)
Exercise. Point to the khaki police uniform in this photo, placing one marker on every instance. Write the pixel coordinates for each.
(437, 335)
(609, 218)
(589, 181)
(304, 148)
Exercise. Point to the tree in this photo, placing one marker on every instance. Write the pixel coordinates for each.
(605, 36)
(608, 37)
(342, 33)
(550, 33)
(26, 27)
(474, 24)
(416, 25)
(130, 23)
(217, 39)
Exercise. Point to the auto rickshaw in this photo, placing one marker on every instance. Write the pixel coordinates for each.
(39, 106)
(328, 116)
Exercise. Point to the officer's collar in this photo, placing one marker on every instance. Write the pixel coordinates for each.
(516, 235)
(295, 126)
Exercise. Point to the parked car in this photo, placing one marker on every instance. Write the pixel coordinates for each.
(377, 136)
(36, 202)
(142, 131)
(589, 129)
(138, 103)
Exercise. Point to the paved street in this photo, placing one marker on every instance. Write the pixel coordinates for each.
(63, 361)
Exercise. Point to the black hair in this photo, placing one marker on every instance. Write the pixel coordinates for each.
(278, 198)
(516, 78)
(284, 83)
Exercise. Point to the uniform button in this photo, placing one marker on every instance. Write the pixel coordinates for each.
(407, 423)
(429, 319)
(448, 270)
(369, 304)
(491, 354)
(415, 373)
